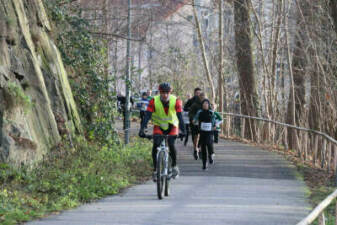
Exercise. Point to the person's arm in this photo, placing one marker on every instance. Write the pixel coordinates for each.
(188, 105)
(218, 118)
(146, 119)
(179, 110)
(181, 123)
(196, 118)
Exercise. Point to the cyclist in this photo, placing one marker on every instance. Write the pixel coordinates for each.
(166, 113)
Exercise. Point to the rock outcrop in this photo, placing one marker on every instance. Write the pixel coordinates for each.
(36, 103)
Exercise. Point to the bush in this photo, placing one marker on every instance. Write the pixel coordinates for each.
(68, 178)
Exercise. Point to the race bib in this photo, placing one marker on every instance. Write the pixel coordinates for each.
(206, 126)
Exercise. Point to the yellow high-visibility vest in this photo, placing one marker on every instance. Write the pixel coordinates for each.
(160, 118)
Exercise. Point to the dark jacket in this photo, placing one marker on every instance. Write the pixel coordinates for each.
(195, 107)
(189, 103)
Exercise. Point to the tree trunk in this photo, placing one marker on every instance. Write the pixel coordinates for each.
(333, 11)
(297, 95)
(248, 93)
(220, 78)
(203, 52)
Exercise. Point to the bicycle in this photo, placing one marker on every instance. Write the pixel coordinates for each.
(164, 167)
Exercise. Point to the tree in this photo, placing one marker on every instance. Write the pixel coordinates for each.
(203, 52)
(248, 93)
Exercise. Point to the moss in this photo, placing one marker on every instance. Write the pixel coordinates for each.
(15, 97)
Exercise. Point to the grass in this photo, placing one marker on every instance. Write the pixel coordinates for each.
(69, 177)
(321, 184)
(15, 97)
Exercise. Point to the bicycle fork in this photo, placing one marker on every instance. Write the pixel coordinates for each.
(166, 161)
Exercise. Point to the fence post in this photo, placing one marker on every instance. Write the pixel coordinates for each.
(305, 145)
(286, 147)
(329, 155)
(321, 219)
(315, 148)
(243, 124)
(335, 160)
(323, 153)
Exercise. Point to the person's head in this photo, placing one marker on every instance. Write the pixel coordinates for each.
(188, 96)
(144, 95)
(202, 96)
(197, 91)
(214, 106)
(205, 104)
(148, 92)
(165, 91)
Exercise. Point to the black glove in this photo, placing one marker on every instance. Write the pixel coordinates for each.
(141, 133)
(181, 136)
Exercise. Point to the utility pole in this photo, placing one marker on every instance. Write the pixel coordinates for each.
(128, 78)
(220, 76)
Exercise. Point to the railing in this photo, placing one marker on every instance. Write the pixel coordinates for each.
(311, 146)
(319, 211)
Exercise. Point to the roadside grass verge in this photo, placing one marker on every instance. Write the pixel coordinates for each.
(68, 177)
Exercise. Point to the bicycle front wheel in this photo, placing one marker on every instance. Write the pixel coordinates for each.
(168, 178)
(161, 178)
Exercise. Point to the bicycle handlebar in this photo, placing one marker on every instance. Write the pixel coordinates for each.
(150, 136)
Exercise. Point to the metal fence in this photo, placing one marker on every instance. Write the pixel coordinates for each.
(310, 146)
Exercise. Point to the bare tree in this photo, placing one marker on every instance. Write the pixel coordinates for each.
(203, 52)
(248, 93)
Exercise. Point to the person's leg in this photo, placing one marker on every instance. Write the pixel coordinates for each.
(156, 143)
(173, 151)
(216, 136)
(203, 143)
(187, 128)
(142, 114)
(173, 154)
(210, 148)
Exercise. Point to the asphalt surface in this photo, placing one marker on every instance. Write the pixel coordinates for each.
(246, 185)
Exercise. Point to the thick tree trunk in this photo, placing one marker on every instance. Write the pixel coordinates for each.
(220, 78)
(314, 111)
(248, 93)
(333, 11)
(297, 95)
(203, 52)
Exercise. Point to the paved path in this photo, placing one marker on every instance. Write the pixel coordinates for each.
(246, 186)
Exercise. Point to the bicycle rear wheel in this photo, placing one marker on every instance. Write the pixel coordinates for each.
(161, 180)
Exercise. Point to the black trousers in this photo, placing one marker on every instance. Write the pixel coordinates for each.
(142, 116)
(187, 128)
(173, 152)
(194, 131)
(216, 136)
(206, 141)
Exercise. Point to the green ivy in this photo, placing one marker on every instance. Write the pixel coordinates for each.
(87, 56)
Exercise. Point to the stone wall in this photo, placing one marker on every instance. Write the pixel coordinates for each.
(36, 103)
